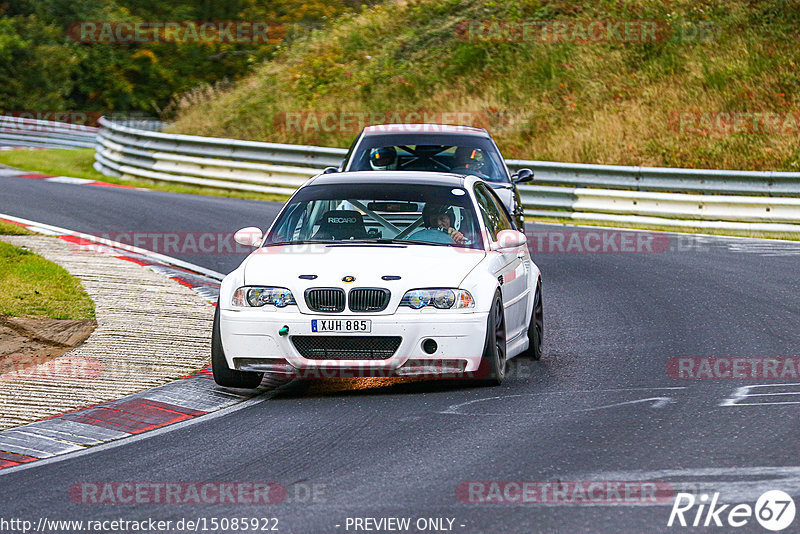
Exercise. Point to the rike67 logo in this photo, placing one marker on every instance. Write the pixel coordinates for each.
(774, 510)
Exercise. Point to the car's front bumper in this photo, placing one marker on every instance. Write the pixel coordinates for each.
(251, 342)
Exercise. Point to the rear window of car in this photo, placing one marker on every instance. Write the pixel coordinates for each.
(460, 154)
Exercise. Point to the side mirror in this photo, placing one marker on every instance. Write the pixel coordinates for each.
(249, 237)
(329, 170)
(522, 176)
(510, 239)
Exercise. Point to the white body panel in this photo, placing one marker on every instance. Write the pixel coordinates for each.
(253, 333)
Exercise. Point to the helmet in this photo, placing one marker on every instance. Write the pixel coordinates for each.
(382, 159)
(432, 211)
(468, 158)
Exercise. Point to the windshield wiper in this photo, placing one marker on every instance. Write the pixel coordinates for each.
(378, 240)
(386, 241)
(299, 242)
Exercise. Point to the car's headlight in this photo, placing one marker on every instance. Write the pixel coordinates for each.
(438, 298)
(257, 296)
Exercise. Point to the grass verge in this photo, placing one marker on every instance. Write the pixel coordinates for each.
(7, 228)
(31, 286)
(78, 164)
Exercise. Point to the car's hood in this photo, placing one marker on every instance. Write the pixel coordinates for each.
(416, 265)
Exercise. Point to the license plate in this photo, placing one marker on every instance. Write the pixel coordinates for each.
(341, 325)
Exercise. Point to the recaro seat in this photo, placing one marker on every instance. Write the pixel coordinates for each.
(339, 225)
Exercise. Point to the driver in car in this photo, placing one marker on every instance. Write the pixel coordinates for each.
(438, 220)
(468, 160)
(383, 159)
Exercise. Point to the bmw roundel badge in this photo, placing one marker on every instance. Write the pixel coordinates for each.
(349, 279)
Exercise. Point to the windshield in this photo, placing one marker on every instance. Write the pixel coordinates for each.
(378, 213)
(460, 154)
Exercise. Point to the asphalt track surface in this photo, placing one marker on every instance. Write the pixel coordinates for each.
(599, 406)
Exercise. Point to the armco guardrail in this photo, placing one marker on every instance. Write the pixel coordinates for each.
(658, 196)
(24, 132)
(732, 200)
(701, 181)
(209, 161)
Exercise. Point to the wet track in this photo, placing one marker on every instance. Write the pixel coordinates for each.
(599, 406)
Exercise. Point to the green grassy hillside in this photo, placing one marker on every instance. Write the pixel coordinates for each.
(668, 101)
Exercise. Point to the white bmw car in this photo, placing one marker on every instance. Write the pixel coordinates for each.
(391, 273)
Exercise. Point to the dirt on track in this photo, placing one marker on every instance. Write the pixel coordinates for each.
(26, 342)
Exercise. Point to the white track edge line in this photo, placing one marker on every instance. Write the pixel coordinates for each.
(130, 248)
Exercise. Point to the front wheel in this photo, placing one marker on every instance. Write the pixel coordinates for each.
(493, 363)
(535, 327)
(223, 375)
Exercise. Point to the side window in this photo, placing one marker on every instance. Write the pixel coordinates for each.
(491, 218)
(349, 156)
(505, 222)
(289, 228)
(306, 223)
(498, 161)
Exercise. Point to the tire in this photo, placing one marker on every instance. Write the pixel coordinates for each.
(535, 327)
(223, 375)
(493, 363)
